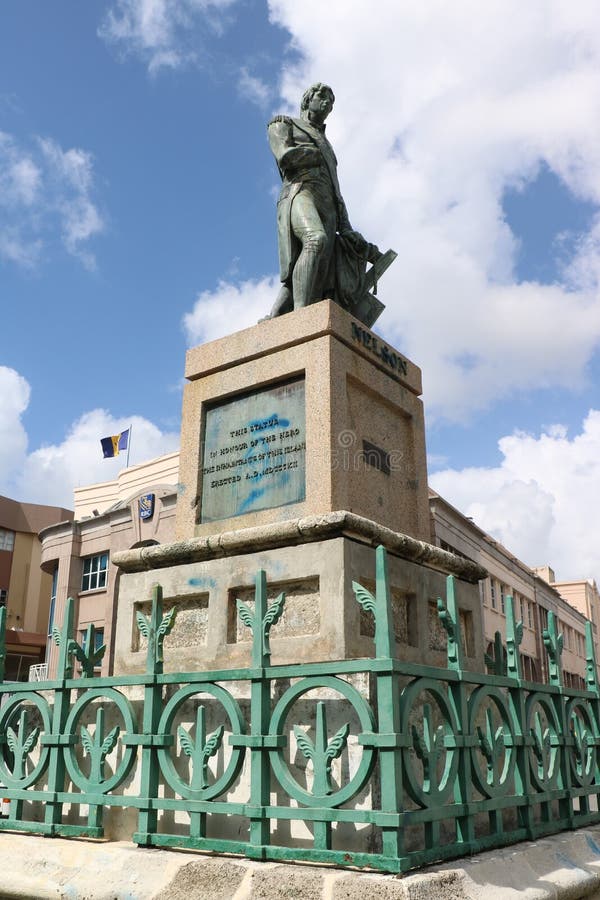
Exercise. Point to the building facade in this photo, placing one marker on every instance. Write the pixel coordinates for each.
(25, 590)
(534, 596)
(135, 510)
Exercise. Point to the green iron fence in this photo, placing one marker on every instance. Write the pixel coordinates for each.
(420, 764)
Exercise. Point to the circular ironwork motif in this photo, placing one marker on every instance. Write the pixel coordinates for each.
(237, 724)
(582, 744)
(8, 719)
(279, 762)
(495, 742)
(102, 785)
(434, 782)
(542, 727)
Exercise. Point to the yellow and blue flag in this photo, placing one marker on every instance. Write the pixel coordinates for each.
(112, 445)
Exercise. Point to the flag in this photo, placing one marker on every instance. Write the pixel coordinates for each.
(112, 445)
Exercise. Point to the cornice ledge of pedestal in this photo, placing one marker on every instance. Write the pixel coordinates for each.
(301, 531)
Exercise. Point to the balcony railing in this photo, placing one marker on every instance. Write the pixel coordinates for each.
(39, 672)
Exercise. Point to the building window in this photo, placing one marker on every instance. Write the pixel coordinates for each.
(502, 602)
(52, 601)
(94, 572)
(7, 539)
(98, 638)
(3, 597)
(493, 593)
(530, 613)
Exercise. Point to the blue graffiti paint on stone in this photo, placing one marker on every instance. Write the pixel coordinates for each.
(566, 862)
(592, 844)
(202, 582)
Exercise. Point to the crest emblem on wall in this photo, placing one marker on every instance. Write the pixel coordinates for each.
(146, 506)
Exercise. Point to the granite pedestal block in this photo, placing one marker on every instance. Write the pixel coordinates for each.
(298, 416)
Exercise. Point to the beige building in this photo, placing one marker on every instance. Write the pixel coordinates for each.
(25, 590)
(137, 509)
(533, 593)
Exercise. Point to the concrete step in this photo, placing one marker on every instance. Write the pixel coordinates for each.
(565, 866)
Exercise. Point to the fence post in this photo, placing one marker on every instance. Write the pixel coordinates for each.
(450, 619)
(388, 740)
(516, 699)
(260, 711)
(58, 739)
(154, 630)
(553, 642)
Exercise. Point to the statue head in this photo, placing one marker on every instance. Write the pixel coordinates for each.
(317, 102)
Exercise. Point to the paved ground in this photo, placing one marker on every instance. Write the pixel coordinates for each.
(563, 866)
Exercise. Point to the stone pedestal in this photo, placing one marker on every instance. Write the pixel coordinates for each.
(301, 415)
(302, 449)
(314, 561)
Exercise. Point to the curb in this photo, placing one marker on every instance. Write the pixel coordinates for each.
(561, 867)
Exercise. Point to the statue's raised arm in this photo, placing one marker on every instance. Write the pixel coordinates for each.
(320, 254)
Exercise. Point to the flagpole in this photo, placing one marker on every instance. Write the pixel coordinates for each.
(128, 446)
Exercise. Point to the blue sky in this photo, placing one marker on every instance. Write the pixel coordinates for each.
(137, 217)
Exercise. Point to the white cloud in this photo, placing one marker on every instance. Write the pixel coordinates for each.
(254, 89)
(44, 190)
(163, 33)
(49, 473)
(215, 311)
(14, 399)
(540, 501)
(440, 108)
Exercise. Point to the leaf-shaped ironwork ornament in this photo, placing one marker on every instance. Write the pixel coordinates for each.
(304, 743)
(86, 740)
(244, 614)
(322, 752)
(185, 741)
(11, 739)
(497, 664)
(21, 744)
(337, 743)
(270, 618)
(167, 622)
(364, 597)
(98, 746)
(491, 744)
(275, 611)
(553, 641)
(428, 747)
(200, 750)
(143, 623)
(542, 746)
(446, 619)
(110, 740)
(213, 743)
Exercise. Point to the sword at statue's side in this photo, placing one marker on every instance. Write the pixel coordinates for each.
(378, 268)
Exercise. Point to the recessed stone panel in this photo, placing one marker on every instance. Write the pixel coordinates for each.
(404, 612)
(191, 622)
(301, 612)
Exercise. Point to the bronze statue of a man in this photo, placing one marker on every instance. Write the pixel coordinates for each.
(320, 254)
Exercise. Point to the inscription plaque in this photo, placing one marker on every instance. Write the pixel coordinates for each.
(254, 453)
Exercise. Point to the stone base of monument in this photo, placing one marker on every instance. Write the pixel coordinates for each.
(314, 560)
